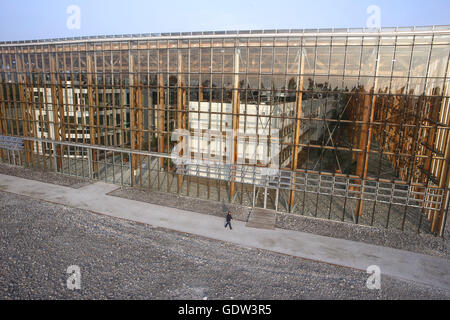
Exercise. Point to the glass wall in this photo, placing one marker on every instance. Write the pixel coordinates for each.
(362, 107)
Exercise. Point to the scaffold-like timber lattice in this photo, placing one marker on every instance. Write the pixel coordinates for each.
(359, 119)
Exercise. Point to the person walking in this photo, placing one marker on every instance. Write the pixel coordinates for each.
(229, 218)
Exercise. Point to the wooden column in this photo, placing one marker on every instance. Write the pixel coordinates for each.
(298, 122)
(444, 182)
(92, 131)
(139, 120)
(62, 113)
(55, 110)
(236, 109)
(140, 114)
(364, 144)
(437, 223)
(433, 118)
(358, 105)
(32, 127)
(25, 120)
(181, 114)
(161, 117)
(3, 126)
(417, 105)
(133, 122)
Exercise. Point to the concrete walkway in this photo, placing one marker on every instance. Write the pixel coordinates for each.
(401, 264)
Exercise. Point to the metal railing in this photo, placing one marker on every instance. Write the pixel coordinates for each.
(239, 33)
(397, 205)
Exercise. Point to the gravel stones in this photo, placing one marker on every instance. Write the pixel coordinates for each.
(125, 260)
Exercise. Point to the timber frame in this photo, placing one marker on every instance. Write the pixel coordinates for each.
(360, 108)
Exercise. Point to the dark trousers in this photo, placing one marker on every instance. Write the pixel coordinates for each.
(228, 224)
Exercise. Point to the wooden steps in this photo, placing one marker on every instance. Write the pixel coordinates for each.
(262, 219)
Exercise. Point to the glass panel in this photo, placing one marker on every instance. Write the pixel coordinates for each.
(386, 60)
(438, 61)
(310, 60)
(280, 60)
(253, 60)
(267, 56)
(369, 59)
(419, 62)
(323, 60)
(294, 58)
(402, 61)
(217, 64)
(353, 60)
(337, 60)
(195, 60)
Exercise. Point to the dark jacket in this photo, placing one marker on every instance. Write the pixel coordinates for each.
(229, 217)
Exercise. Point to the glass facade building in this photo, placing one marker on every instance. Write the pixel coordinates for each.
(344, 124)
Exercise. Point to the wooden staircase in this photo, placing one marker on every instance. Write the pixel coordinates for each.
(262, 219)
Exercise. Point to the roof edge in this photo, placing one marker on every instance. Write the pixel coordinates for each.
(423, 30)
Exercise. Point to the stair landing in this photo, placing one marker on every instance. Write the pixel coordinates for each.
(262, 219)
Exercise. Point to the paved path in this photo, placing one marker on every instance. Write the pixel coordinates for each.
(401, 264)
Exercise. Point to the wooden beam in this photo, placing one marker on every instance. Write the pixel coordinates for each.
(21, 82)
(236, 109)
(32, 126)
(92, 131)
(181, 107)
(62, 113)
(3, 126)
(140, 115)
(161, 117)
(444, 183)
(298, 115)
(433, 115)
(437, 223)
(139, 118)
(133, 116)
(55, 109)
(365, 144)
(357, 106)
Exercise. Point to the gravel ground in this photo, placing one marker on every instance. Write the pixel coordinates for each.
(43, 176)
(125, 260)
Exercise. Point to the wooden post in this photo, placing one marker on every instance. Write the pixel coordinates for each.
(61, 113)
(437, 223)
(444, 182)
(298, 115)
(161, 117)
(364, 144)
(3, 126)
(236, 108)
(25, 120)
(32, 126)
(139, 105)
(55, 109)
(357, 115)
(140, 116)
(433, 118)
(181, 107)
(92, 131)
(132, 92)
